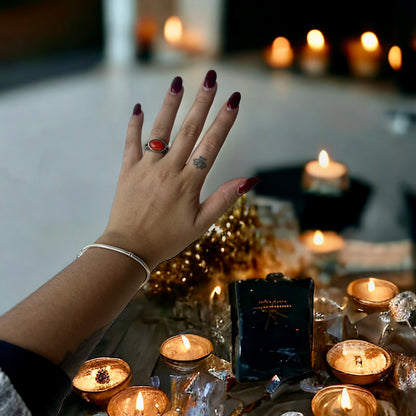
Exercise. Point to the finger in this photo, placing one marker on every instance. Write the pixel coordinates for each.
(163, 124)
(222, 199)
(194, 122)
(133, 148)
(206, 152)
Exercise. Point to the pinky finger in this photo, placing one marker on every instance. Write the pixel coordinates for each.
(133, 147)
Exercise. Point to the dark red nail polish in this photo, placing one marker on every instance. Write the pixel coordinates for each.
(210, 79)
(137, 109)
(247, 185)
(234, 100)
(176, 85)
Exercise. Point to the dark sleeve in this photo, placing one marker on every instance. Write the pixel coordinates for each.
(41, 384)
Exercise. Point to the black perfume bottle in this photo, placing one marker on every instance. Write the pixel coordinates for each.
(272, 327)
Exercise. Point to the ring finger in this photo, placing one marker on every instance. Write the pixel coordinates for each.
(163, 124)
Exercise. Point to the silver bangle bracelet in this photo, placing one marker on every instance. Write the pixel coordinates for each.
(125, 252)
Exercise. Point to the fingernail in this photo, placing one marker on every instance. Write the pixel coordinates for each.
(247, 185)
(234, 100)
(176, 85)
(137, 109)
(210, 79)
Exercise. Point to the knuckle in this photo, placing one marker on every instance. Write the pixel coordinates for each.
(158, 132)
(190, 130)
(203, 99)
(212, 145)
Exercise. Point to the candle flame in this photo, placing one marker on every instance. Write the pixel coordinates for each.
(216, 291)
(323, 159)
(318, 238)
(139, 402)
(315, 39)
(395, 57)
(173, 29)
(369, 41)
(345, 400)
(371, 285)
(186, 342)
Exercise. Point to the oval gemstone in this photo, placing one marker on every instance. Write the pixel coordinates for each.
(157, 145)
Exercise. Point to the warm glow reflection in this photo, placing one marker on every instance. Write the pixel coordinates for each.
(139, 402)
(186, 342)
(315, 39)
(323, 159)
(281, 53)
(173, 29)
(318, 238)
(345, 400)
(371, 285)
(369, 41)
(395, 57)
(216, 291)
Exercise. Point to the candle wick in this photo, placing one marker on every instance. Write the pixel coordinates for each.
(358, 360)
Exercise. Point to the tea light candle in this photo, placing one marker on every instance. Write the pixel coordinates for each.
(138, 401)
(325, 175)
(364, 55)
(314, 58)
(280, 54)
(322, 242)
(371, 294)
(358, 362)
(185, 352)
(344, 400)
(100, 379)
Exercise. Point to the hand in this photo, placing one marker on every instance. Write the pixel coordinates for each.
(157, 210)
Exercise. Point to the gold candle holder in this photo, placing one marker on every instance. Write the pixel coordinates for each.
(371, 294)
(185, 352)
(138, 401)
(99, 379)
(358, 362)
(344, 400)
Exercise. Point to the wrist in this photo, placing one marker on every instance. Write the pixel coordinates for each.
(140, 248)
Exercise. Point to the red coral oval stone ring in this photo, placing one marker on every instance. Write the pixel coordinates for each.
(157, 146)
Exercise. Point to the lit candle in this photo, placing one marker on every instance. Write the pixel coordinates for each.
(185, 352)
(170, 47)
(322, 242)
(325, 175)
(138, 401)
(358, 362)
(364, 55)
(344, 400)
(280, 53)
(101, 378)
(395, 58)
(314, 57)
(371, 294)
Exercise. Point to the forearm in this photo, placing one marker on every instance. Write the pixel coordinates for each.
(65, 318)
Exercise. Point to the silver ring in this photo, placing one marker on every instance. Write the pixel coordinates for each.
(157, 146)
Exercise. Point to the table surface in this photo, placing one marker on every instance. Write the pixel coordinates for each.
(139, 331)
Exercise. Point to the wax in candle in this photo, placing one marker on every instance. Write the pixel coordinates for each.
(188, 347)
(329, 401)
(321, 242)
(359, 362)
(325, 167)
(372, 293)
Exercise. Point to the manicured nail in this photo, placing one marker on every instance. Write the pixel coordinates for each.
(176, 85)
(234, 100)
(137, 109)
(247, 185)
(210, 79)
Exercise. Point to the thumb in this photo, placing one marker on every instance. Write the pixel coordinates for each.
(222, 199)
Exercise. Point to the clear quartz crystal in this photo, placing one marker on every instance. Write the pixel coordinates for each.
(403, 308)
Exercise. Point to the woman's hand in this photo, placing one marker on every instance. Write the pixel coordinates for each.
(157, 210)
